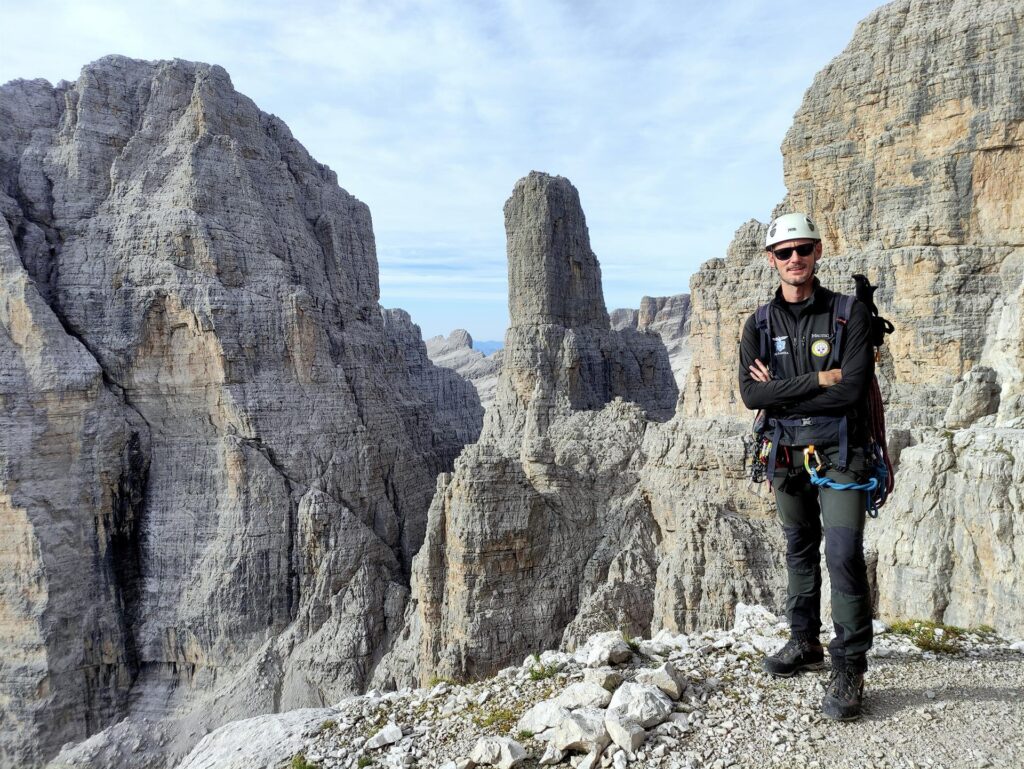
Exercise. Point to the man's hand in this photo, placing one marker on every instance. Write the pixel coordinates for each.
(831, 377)
(759, 372)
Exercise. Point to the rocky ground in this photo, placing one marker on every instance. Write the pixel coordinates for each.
(679, 701)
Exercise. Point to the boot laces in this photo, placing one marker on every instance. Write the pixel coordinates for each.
(794, 648)
(844, 682)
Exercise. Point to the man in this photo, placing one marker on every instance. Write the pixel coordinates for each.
(815, 395)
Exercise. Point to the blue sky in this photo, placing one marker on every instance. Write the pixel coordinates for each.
(667, 116)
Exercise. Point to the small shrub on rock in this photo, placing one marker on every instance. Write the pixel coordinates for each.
(299, 762)
(930, 636)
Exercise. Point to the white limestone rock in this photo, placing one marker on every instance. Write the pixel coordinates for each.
(583, 695)
(261, 741)
(502, 752)
(606, 678)
(388, 735)
(607, 649)
(581, 731)
(646, 705)
(624, 731)
(664, 677)
(551, 756)
(546, 714)
(591, 760)
(753, 620)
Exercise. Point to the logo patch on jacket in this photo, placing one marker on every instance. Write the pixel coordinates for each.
(780, 344)
(820, 348)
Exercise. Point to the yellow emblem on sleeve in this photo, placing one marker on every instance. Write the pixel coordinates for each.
(820, 348)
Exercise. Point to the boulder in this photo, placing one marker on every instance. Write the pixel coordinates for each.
(664, 677)
(583, 695)
(388, 735)
(582, 730)
(607, 648)
(624, 732)
(542, 716)
(502, 752)
(646, 705)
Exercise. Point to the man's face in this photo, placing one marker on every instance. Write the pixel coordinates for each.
(798, 269)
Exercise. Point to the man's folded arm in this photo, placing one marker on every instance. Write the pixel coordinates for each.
(776, 392)
(858, 366)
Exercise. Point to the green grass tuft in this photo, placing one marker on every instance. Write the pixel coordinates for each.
(499, 719)
(299, 762)
(930, 636)
(631, 642)
(326, 726)
(541, 672)
(435, 680)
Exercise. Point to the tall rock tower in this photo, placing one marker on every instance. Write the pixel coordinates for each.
(516, 536)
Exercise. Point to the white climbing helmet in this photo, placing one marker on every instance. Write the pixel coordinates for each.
(791, 227)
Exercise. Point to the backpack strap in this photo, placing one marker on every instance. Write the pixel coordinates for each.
(763, 318)
(842, 307)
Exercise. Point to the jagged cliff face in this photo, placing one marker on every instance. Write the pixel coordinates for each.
(456, 352)
(669, 318)
(571, 513)
(908, 150)
(216, 454)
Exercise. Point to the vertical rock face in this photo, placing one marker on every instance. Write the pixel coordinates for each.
(73, 465)
(456, 352)
(557, 312)
(458, 410)
(908, 150)
(554, 278)
(669, 318)
(217, 455)
(557, 522)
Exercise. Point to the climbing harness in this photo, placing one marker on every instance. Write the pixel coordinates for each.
(875, 486)
(767, 431)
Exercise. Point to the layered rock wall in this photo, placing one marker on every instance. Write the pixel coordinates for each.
(669, 318)
(217, 456)
(456, 352)
(912, 176)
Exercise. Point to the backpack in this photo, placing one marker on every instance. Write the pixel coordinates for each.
(765, 448)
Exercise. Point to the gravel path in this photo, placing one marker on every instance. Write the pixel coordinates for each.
(950, 711)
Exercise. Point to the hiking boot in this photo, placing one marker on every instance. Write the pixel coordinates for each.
(844, 692)
(798, 654)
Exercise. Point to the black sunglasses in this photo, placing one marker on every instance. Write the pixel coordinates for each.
(804, 249)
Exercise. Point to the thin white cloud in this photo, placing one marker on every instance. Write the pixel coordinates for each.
(667, 116)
